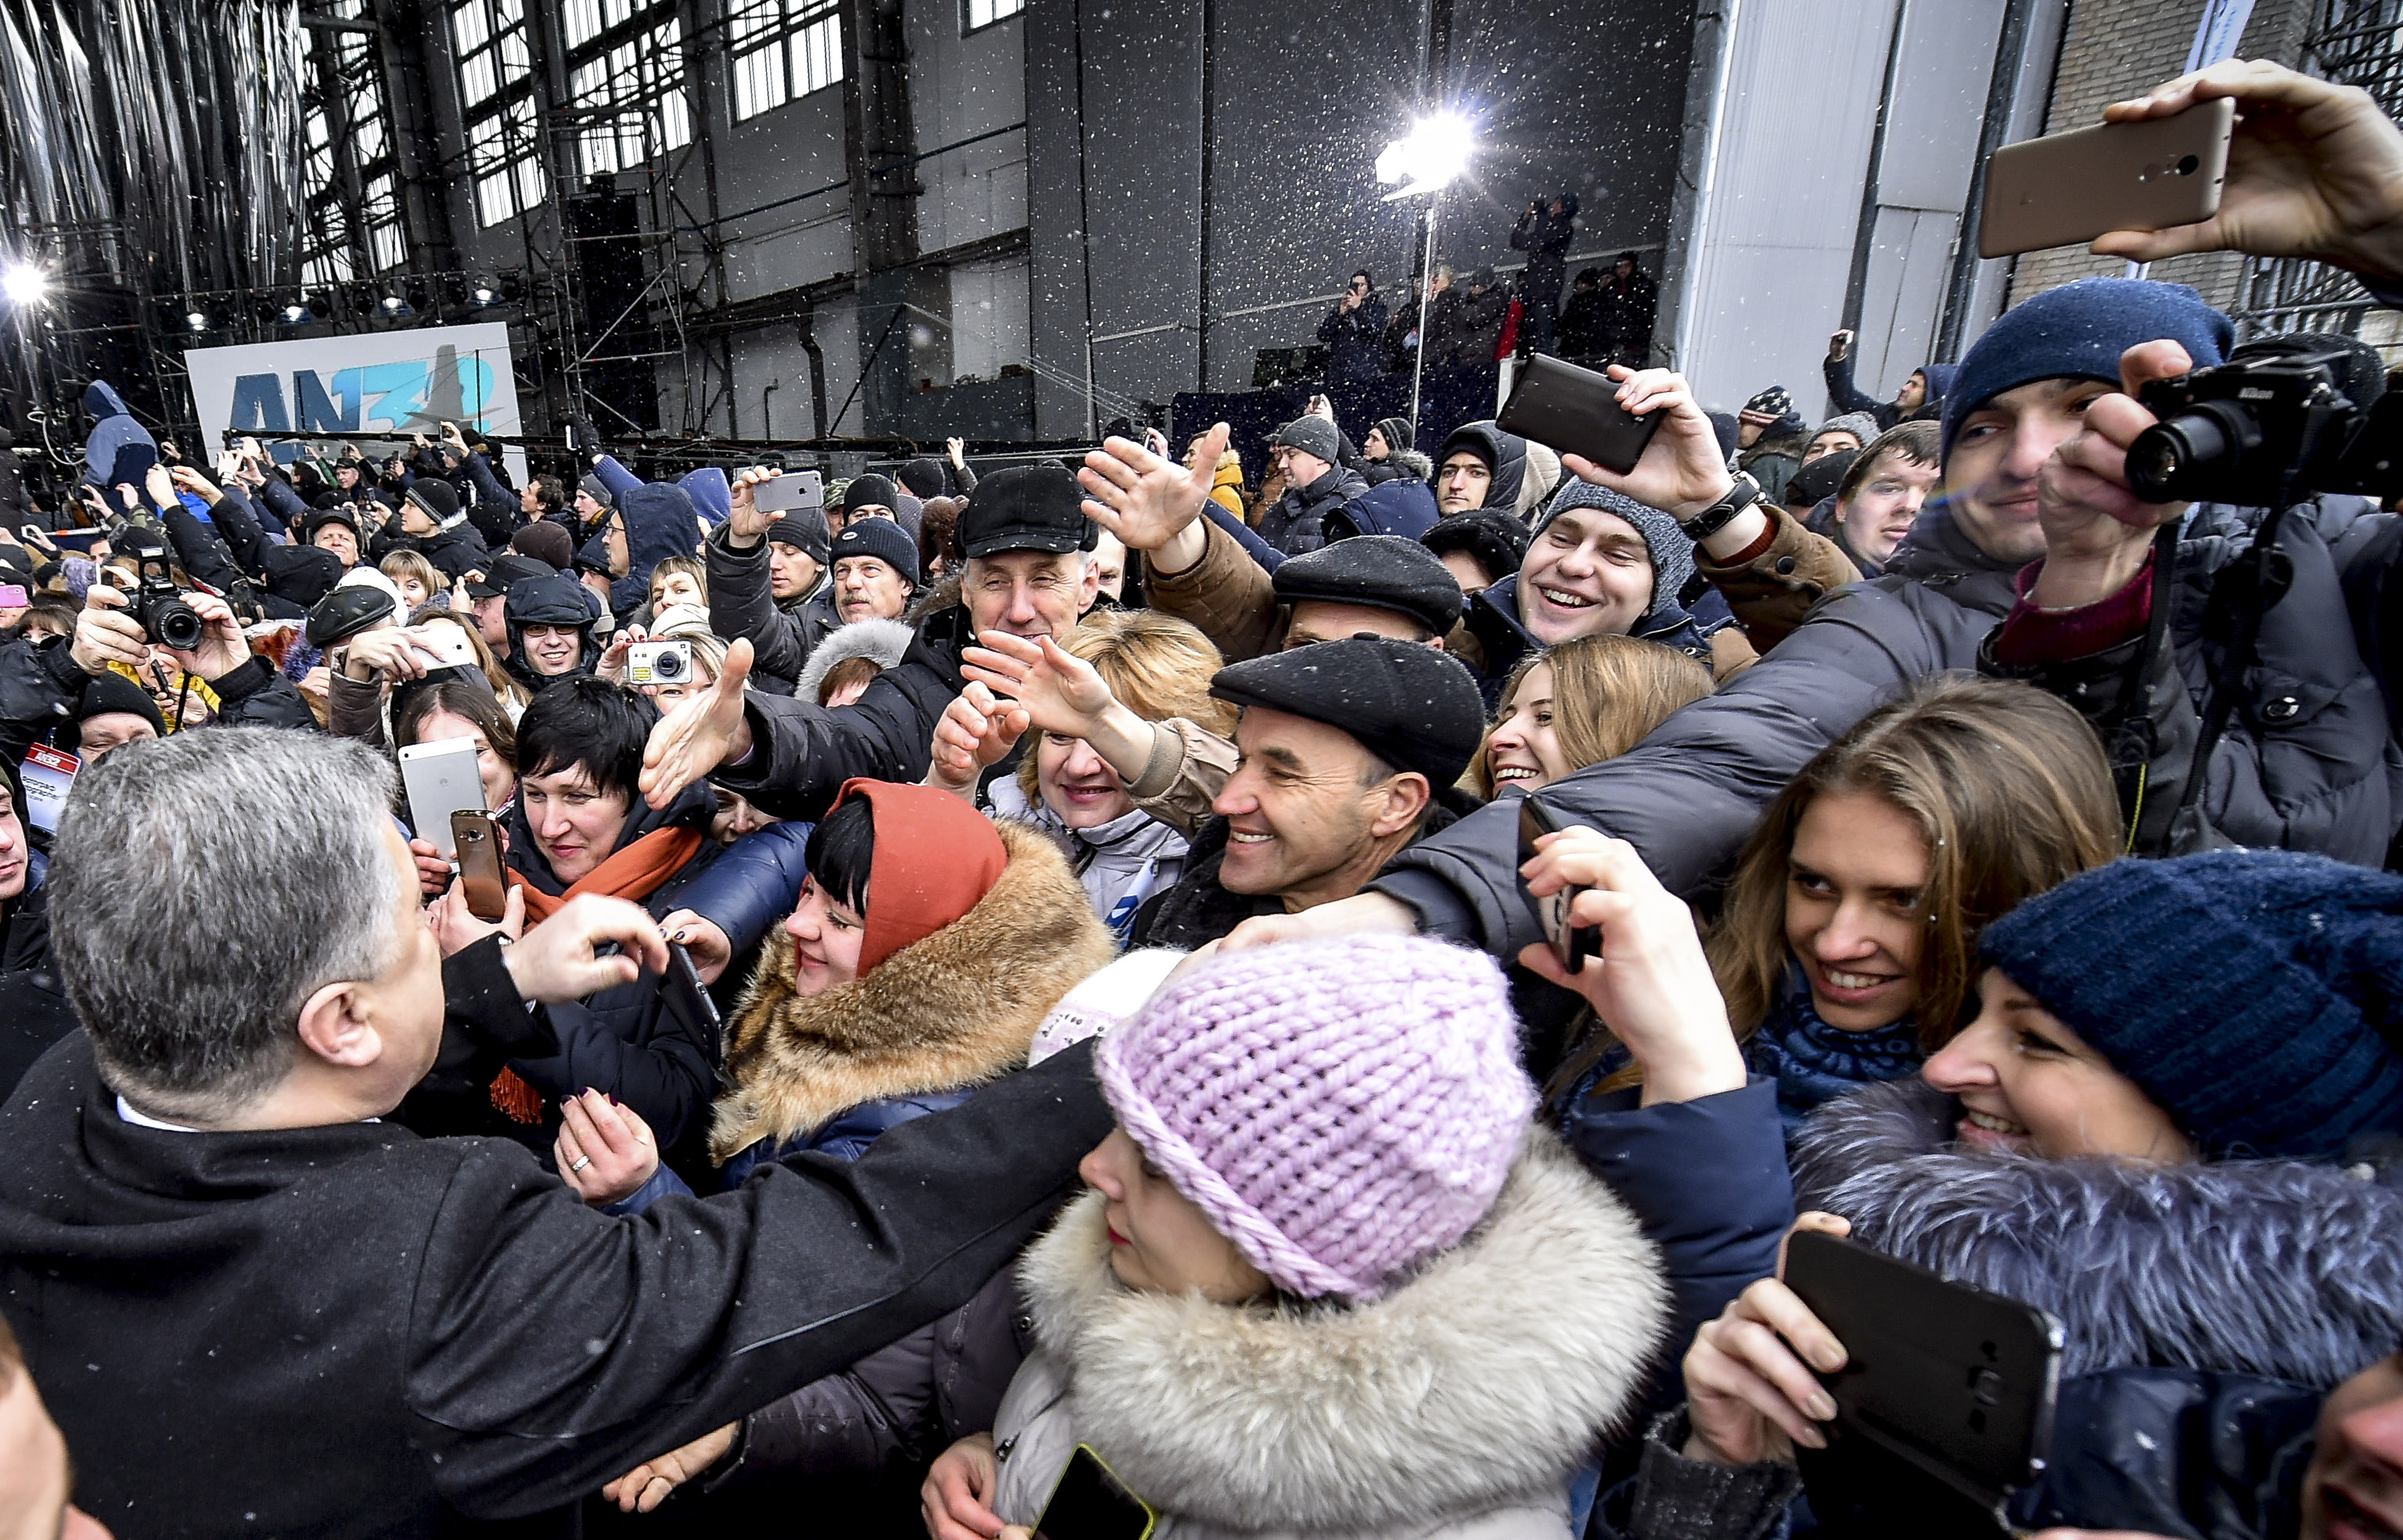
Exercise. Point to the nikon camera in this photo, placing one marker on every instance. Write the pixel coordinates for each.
(166, 617)
(2286, 417)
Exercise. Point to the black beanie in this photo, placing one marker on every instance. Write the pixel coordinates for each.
(880, 538)
(435, 498)
(1396, 431)
(870, 490)
(1414, 706)
(112, 691)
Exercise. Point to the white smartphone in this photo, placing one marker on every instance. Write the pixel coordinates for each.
(444, 647)
(441, 778)
(803, 489)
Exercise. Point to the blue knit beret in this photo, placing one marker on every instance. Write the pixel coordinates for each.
(2250, 994)
(2078, 332)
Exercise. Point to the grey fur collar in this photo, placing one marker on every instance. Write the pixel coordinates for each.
(883, 641)
(2278, 1267)
(1487, 1376)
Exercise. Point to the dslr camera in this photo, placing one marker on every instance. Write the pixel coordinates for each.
(658, 663)
(158, 605)
(2286, 416)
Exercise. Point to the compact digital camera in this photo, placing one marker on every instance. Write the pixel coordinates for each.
(658, 663)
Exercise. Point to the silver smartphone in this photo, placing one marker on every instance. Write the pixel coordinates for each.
(2067, 188)
(790, 490)
(441, 778)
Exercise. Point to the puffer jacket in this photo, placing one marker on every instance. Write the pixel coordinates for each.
(1226, 487)
(660, 521)
(1297, 523)
(1122, 863)
(1276, 1420)
(2309, 761)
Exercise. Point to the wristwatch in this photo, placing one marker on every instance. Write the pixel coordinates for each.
(1743, 495)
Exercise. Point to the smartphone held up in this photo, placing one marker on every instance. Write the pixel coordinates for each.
(2070, 188)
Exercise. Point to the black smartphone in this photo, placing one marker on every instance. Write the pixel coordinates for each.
(1090, 1503)
(1954, 1380)
(1571, 944)
(689, 1004)
(1576, 411)
(475, 833)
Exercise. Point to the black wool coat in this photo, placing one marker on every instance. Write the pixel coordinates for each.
(352, 1331)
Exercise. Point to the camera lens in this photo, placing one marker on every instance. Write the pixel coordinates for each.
(174, 624)
(2170, 459)
(668, 665)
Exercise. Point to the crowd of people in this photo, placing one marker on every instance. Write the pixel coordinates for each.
(994, 974)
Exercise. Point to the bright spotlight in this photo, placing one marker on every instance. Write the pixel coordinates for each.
(197, 320)
(25, 284)
(394, 304)
(295, 314)
(483, 295)
(1430, 158)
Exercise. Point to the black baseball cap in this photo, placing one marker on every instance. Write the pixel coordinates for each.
(1026, 507)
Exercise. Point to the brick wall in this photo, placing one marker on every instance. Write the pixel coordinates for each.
(2117, 49)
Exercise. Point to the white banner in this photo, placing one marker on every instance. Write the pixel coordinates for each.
(362, 388)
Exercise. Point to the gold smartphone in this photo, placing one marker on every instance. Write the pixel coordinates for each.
(2067, 188)
(479, 840)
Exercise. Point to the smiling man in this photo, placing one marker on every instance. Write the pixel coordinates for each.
(1027, 571)
(551, 622)
(1348, 750)
(2035, 437)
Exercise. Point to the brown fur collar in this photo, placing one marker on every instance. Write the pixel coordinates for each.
(956, 1009)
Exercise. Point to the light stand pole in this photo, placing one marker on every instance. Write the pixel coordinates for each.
(1426, 289)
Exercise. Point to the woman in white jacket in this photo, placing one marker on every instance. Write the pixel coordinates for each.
(1326, 1281)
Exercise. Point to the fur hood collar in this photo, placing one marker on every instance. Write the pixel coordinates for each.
(1487, 1376)
(883, 642)
(2279, 1268)
(956, 1009)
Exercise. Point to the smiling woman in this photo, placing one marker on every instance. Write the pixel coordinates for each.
(1847, 949)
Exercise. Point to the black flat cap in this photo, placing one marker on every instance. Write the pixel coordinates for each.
(1026, 507)
(503, 570)
(1382, 571)
(1412, 705)
(346, 612)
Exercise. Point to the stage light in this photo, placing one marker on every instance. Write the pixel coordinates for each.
(394, 304)
(483, 295)
(1430, 158)
(197, 320)
(25, 284)
(295, 314)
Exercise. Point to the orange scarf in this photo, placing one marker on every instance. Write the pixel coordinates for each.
(633, 874)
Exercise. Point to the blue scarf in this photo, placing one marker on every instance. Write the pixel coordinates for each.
(1813, 1063)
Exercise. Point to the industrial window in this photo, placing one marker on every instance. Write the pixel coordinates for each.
(496, 83)
(984, 13)
(625, 82)
(781, 49)
(349, 169)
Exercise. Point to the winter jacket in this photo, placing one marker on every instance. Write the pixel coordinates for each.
(1227, 488)
(1295, 522)
(783, 632)
(621, 1040)
(2216, 1269)
(1282, 1419)
(1847, 397)
(1504, 453)
(901, 1405)
(496, 512)
(357, 1332)
(1706, 1179)
(1398, 502)
(802, 753)
(1463, 335)
(455, 551)
(2309, 762)
(1775, 456)
(34, 1012)
(1628, 310)
(884, 643)
(1355, 342)
(1546, 237)
(119, 449)
(1121, 864)
(660, 522)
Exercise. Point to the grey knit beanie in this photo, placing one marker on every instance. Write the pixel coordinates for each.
(1673, 554)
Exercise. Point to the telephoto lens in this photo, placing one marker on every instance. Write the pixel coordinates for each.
(2183, 457)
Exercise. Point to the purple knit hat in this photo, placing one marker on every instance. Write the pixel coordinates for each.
(1340, 1110)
